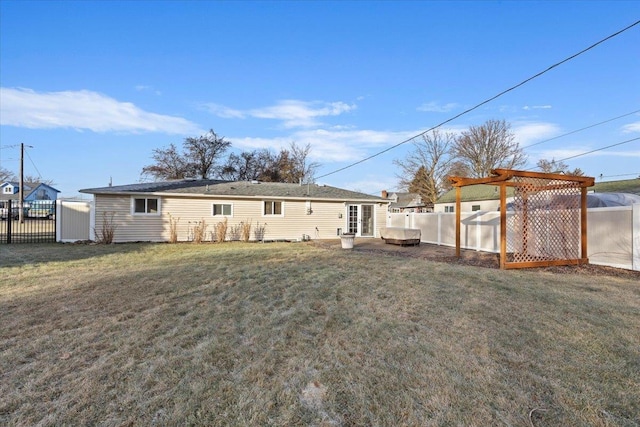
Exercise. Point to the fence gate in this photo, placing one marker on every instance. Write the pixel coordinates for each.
(38, 225)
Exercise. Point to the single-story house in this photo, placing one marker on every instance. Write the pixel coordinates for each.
(406, 202)
(32, 191)
(148, 211)
(481, 197)
(484, 197)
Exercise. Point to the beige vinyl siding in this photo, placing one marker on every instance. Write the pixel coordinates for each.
(326, 217)
(129, 228)
(187, 212)
(322, 223)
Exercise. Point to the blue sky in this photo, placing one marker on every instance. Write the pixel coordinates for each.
(94, 87)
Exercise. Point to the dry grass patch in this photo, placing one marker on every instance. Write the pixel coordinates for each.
(293, 334)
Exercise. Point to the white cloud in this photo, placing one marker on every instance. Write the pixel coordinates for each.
(629, 153)
(83, 110)
(301, 114)
(579, 153)
(530, 132)
(146, 88)
(293, 113)
(224, 112)
(536, 107)
(329, 145)
(434, 107)
(631, 128)
(558, 153)
(371, 185)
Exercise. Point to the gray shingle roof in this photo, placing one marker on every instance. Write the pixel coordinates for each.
(407, 200)
(211, 187)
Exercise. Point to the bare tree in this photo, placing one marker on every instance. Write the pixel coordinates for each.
(489, 146)
(456, 168)
(289, 165)
(304, 170)
(425, 169)
(202, 152)
(246, 166)
(198, 158)
(37, 179)
(5, 175)
(168, 164)
(557, 166)
(278, 167)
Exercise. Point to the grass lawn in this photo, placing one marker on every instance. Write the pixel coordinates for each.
(296, 334)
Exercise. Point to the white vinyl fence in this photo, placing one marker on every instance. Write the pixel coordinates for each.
(74, 221)
(613, 234)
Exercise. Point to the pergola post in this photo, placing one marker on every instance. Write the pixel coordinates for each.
(458, 197)
(583, 225)
(503, 226)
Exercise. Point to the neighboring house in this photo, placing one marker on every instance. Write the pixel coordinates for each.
(484, 197)
(481, 197)
(144, 212)
(32, 191)
(406, 202)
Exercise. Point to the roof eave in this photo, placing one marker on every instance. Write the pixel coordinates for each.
(232, 196)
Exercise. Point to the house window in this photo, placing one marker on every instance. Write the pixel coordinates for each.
(8, 190)
(475, 208)
(272, 208)
(222, 209)
(146, 206)
(449, 209)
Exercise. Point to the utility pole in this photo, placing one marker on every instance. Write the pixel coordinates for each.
(21, 189)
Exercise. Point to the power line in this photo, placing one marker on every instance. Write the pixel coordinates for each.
(599, 149)
(581, 129)
(34, 165)
(483, 102)
(617, 176)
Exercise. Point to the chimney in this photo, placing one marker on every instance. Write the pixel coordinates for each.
(385, 194)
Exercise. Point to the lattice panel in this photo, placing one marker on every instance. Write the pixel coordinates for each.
(544, 223)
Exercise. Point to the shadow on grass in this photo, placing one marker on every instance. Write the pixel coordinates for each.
(296, 335)
(41, 253)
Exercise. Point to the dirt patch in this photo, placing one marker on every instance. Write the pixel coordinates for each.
(468, 257)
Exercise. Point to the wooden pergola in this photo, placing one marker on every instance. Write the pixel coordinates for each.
(548, 221)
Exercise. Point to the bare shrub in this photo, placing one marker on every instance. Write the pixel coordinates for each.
(220, 233)
(259, 231)
(246, 231)
(234, 232)
(173, 229)
(199, 231)
(107, 229)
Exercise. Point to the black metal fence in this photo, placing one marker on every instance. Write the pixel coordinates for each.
(37, 225)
